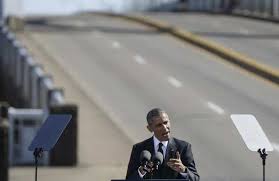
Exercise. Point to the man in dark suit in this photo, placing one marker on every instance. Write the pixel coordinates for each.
(178, 161)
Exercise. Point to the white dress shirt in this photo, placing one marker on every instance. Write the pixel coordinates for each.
(156, 147)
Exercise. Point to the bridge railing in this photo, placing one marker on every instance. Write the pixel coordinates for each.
(268, 9)
(32, 96)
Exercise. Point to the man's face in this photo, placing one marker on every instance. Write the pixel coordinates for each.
(161, 127)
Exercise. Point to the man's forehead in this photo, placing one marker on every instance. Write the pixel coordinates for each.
(163, 116)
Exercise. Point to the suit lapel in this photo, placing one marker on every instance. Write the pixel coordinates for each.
(171, 149)
(170, 152)
(149, 145)
(164, 171)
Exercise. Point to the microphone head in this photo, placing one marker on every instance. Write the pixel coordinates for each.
(158, 158)
(145, 156)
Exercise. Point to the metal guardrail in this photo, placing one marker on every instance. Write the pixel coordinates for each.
(26, 86)
(268, 9)
(24, 124)
(4, 162)
(22, 77)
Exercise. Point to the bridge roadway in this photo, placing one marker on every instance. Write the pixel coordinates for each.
(254, 38)
(127, 69)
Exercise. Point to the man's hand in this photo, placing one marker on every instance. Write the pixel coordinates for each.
(142, 170)
(146, 169)
(176, 164)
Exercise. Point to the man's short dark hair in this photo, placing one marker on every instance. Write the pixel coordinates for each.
(153, 113)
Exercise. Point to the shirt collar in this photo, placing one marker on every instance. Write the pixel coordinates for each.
(156, 142)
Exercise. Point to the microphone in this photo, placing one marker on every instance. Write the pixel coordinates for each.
(158, 160)
(145, 157)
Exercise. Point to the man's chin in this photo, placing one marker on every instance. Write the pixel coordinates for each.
(165, 137)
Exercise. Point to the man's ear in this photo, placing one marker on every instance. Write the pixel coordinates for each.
(149, 128)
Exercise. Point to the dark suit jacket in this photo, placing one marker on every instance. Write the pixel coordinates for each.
(164, 171)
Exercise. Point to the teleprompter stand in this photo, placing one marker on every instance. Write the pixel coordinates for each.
(48, 136)
(263, 155)
(38, 153)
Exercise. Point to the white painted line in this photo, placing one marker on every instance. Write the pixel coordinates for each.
(244, 31)
(276, 43)
(217, 24)
(115, 44)
(139, 60)
(275, 146)
(174, 82)
(215, 108)
(97, 34)
(80, 24)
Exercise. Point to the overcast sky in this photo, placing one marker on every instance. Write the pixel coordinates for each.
(69, 6)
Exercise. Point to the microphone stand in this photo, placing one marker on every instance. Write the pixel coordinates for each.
(263, 155)
(154, 169)
(151, 169)
(38, 153)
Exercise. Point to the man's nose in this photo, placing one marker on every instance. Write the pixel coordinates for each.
(165, 127)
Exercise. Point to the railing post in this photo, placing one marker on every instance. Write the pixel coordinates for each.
(1, 10)
(4, 140)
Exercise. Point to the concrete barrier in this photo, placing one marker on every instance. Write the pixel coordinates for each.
(19, 80)
(46, 85)
(65, 151)
(24, 125)
(56, 97)
(28, 66)
(36, 75)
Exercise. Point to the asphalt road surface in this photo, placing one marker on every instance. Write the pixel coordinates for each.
(254, 38)
(127, 69)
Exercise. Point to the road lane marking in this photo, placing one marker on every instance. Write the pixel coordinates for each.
(174, 82)
(80, 24)
(217, 24)
(215, 108)
(116, 44)
(244, 31)
(97, 34)
(139, 59)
